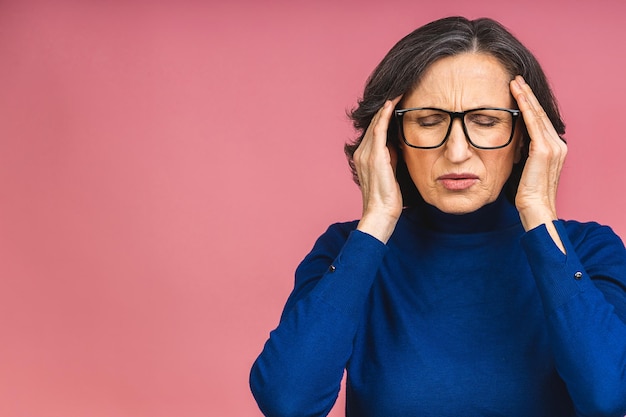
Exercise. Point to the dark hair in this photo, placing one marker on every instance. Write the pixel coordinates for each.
(403, 66)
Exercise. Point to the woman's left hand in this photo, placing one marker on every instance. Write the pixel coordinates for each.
(536, 194)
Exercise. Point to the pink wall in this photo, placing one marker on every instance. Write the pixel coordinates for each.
(163, 169)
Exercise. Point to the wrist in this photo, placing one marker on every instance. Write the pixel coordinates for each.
(536, 219)
(379, 226)
(533, 218)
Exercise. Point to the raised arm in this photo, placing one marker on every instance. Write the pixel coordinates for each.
(580, 271)
(300, 368)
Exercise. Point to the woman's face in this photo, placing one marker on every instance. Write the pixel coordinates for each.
(456, 177)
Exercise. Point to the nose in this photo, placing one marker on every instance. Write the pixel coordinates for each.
(457, 147)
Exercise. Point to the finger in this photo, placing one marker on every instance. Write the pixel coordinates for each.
(396, 100)
(547, 150)
(383, 119)
(372, 131)
(537, 122)
(544, 137)
(366, 152)
(375, 137)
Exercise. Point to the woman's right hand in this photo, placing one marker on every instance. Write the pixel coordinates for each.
(375, 164)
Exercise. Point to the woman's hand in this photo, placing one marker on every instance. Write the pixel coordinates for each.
(536, 194)
(375, 164)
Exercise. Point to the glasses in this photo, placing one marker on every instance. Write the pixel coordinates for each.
(484, 128)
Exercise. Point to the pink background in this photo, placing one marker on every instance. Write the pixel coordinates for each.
(164, 167)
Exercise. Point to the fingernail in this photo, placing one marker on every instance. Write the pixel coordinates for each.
(521, 80)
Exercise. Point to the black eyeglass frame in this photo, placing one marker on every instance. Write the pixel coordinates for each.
(454, 115)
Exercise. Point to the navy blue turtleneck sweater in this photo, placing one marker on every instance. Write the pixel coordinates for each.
(456, 315)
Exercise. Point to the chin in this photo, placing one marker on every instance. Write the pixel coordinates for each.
(459, 204)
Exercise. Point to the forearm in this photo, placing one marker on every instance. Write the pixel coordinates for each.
(302, 363)
(588, 337)
(532, 219)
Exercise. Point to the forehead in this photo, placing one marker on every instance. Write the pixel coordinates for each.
(462, 81)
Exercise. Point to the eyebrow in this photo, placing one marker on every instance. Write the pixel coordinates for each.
(486, 106)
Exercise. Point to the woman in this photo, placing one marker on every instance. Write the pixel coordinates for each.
(458, 292)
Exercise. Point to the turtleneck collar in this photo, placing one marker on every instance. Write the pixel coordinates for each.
(494, 216)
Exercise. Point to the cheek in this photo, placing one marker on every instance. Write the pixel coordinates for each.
(420, 166)
(499, 167)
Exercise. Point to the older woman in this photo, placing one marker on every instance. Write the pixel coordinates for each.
(458, 292)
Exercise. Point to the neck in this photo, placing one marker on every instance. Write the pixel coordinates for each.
(493, 216)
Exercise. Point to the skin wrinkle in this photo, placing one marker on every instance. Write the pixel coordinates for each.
(459, 83)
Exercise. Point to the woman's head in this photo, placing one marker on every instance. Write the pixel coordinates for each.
(411, 59)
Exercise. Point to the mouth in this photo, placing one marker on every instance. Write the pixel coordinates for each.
(458, 182)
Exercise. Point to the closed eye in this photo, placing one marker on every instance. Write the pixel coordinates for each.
(483, 120)
(432, 120)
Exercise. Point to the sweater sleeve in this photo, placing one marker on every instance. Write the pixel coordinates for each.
(584, 298)
(299, 371)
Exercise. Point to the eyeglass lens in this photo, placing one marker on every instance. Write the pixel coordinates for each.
(485, 128)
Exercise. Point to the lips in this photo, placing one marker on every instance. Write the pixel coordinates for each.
(458, 182)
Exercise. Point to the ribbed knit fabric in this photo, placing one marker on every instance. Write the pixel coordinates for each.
(456, 315)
